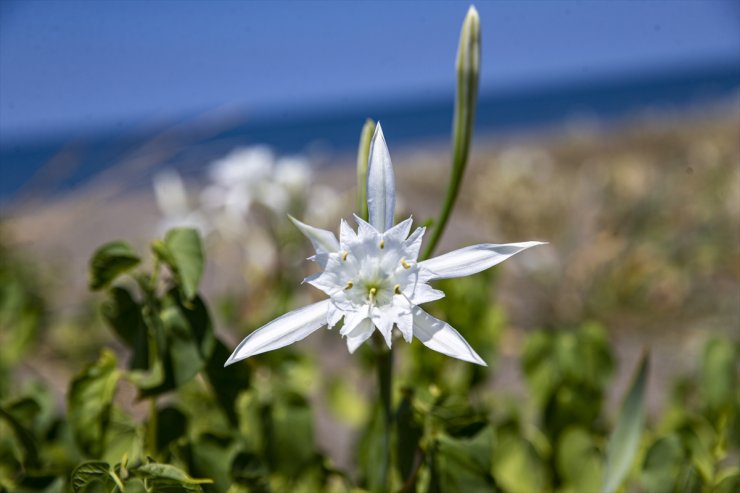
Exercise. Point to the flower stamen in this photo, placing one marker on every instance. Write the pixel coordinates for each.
(397, 289)
(382, 244)
(345, 254)
(372, 293)
(405, 264)
(349, 285)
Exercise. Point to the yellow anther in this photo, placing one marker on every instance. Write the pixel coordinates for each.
(349, 285)
(373, 292)
(405, 264)
(397, 289)
(382, 244)
(345, 254)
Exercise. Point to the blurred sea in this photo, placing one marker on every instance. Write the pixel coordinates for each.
(51, 165)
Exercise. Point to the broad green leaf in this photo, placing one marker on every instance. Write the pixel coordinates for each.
(249, 470)
(166, 478)
(89, 403)
(183, 349)
(462, 465)
(110, 261)
(292, 443)
(171, 425)
(227, 382)
(719, 374)
(409, 431)
(663, 462)
(24, 438)
(729, 483)
(516, 466)
(625, 438)
(211, 456)
(578, 461)
(124, 316)
(182, 251)
(21, 312)
(184, 341)
(95, 476)
(371, 451)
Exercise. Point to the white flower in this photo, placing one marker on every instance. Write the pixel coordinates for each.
(172, 200)
(374, 281)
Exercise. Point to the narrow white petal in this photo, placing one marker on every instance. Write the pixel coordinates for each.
(381, 188)
(441, 337)
(353, 319)
(364, 228)
(470, 260)
(322, 240)
(291, 327)
(412, 245)
(333, 315)
(360, 334)
(346, 235)
(384, 323)
(421, 293)
(399, 232)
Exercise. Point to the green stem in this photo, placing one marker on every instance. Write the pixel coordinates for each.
(466, 97)
(385, 387)
(152, 428)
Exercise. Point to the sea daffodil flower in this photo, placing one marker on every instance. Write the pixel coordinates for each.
(373, 279)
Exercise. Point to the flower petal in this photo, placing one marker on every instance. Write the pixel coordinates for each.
(470, 260)
(381, 188)
(347, 235)
(399, 232)
(291, 327)
(322, 240)
(353, 319)
(412, 245)
(365, 229)
(420, 293)
(441, 337)
(360, 334)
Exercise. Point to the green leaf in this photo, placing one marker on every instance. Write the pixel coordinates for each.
(227, 382)
(24, 437)
(185, 342)
(89, 403)
(719, 374)
(123, 314)
(290, 445)
(625, 438)
(94, 475)
(409, 431)
(110, 261)
(165, 478)
(516, 466)
(182, 251)
(578, 461)
(728, 484)
(462, 465)
(171, 425)
(663, 462)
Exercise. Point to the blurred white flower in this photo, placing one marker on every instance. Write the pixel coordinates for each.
(172, 200)
(250, 175)
(374, 281)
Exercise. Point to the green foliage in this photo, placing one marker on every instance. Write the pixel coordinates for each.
(249, 427)
(182, 252)
(90, 401)
(624, 440)
(110, 261)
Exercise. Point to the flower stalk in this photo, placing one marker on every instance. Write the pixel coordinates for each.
(468, 75)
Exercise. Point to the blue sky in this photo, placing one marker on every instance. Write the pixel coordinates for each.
(79, 66)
